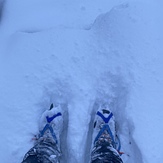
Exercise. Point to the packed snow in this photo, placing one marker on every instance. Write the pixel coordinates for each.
(82, 54)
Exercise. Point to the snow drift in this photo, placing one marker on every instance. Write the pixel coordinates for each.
(67, 58)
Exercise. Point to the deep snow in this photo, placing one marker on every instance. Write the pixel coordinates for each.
(82, 54)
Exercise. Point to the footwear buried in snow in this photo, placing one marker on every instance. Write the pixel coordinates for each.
(106, 144)
(52, 123)
(105, 127)
(47, 147)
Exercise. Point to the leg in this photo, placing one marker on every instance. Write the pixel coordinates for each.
(47, 146)
(104, 152)
(45, 150)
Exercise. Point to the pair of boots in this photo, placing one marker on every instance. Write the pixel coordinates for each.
(47, 146)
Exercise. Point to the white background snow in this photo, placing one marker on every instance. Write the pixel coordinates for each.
(82, 53)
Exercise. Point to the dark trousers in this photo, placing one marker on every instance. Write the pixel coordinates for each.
(45, 151)
(103, 152)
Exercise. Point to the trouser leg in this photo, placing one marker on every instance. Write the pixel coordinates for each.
(104, 152)
(45, 151)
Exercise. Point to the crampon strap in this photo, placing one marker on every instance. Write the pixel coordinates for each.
(115, 142)
(49, 127)
(49, 119)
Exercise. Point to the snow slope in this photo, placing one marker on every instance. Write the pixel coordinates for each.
(82, 54)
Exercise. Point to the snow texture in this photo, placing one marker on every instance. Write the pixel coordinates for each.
(82, 54)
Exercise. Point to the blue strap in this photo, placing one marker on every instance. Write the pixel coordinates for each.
(119, 143)
(49, 119)
(48, 127)
(106, 120)
(107, 128)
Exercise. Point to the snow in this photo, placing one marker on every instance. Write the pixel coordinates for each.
(82, 54)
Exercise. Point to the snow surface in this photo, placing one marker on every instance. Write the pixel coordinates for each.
(82, 54)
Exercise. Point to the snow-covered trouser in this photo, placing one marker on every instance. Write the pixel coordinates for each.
(104, 152)
(45, 151)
